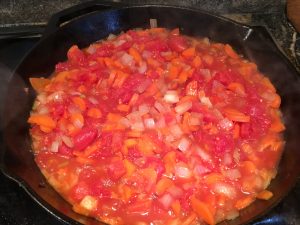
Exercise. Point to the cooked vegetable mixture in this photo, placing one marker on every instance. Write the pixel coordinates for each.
(154, 127)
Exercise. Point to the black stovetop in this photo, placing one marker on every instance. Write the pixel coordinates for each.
(17, 208)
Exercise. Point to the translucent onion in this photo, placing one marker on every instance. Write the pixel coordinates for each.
(68, 141)
(93, 100)
(175, 191)
(206, 73)
(143, 86)
(224, 189)
(91, 49)
(205, 101)
(183, 107)
(203, 155)
(160, 107)
(233, 174)
(78, 123)
(176, 131)
(43, 110)
(144, 109)
(166, 200)
(125, 122)
(182, 171)
(119, 42)
(54, 146)
(171, 97)
(184, 144)
(111, 37)
(200, 170)
(56, 96)
(142, 68)
(127, 59)
(149, 123)
(226, 124)
(195, 119)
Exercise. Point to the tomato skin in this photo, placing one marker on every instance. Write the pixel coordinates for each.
(84, 138)
(65, 150)
(178, 43)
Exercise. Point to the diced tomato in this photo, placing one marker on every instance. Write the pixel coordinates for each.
(84, 138)
(178, 43)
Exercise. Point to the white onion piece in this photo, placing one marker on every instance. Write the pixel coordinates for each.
(75, 93)
(205, 101)
(127, 59)
(182, 171)
(153, 23)
(138, 126)
(111, 37)
(161, 123)
(91, 49)
(42, 110)
(203, 155)
(166, 200)
(56, 96)
(225, 189)
(226, 124)
(169, 138)
(233, 174)
(183, 107)
(119, 42)
(232, 215)
(176, 131)
(206, 73)
(42, 98)
(171, 97)
(143, 86)
(68, 141)
(184, 144)
(149, 123)
(144, 109)
(54, 146)
(142, 68)
(78, 123)
(93, 100)
(160, 107)
(195, 119)
(73, 109)
(175, 191)
(200, 170)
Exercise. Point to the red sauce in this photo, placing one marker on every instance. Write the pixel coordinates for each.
(153, 127)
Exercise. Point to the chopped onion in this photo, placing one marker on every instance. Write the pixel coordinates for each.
(93, 100)
(144, 85)
(225, 189)
(144, 109)
(176, 131)
(205, 73)
(226, 124)
(127, 59)
(171, 97)
(153, 23)
(111, 37)
(203, 155)
(149, 123)
(146, 54)
(182, 171)
(200, 170)
(73, 109)
(42, 98)
(183, 107)
(175, 191)
(232, 215)
(54, 146)
(68, 141)
(138, 126)
(91, 49)
(184, 144)
(232, 174)
(166, 200)
(42, 110)
(205, 101)
(119, 42)
(160, 107)
(143, 67)
(169, 138)
(56, 96)
(161, 123)
(227, 160)
(125, 122)
(78, 123)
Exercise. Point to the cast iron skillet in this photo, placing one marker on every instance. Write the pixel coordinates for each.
(97, 20)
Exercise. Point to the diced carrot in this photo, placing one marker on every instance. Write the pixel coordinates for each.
(190, 52)
(39, 84)
(126, 192)
(276, 125)
(243, 203)
(236, 115)
(197, 62)
(112, 127)
(208, 59)
(213, 178)
(152, 62)
(276, 102)
(113, 117)
(46, 129)
(135, 54)
(265, 195)
(162, 185)
(133, 99)
(183, 76)
(173, 71)
(230, 52)
(123, 107)
(120, 79)
(129, 166)
(190, 220)
(146, 146)
(248, 166)
(134, 134)
(266, 81)
(238, 88)
(202, 210)
(79, 102)
(236, 131)
(112, 77)
(94, 113)
(130, 142)
(266, 142)
(42, 120)
(176, 207)
(62, 76)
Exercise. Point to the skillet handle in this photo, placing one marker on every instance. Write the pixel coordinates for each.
(73, 12)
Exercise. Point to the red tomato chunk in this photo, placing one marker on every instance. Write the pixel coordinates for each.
(154, 127)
